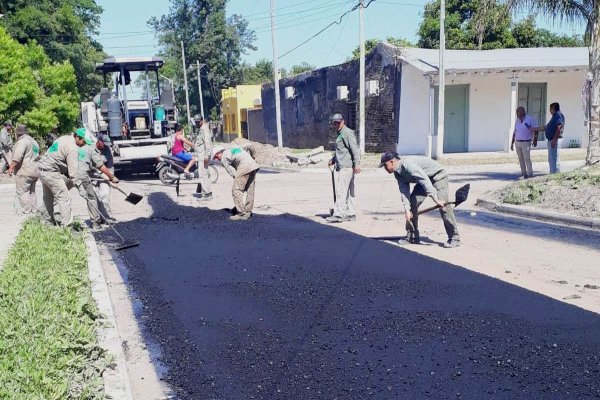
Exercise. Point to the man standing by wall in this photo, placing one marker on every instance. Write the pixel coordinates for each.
(430, 181)
(203, 149)
(241, 166)
(523, 134)
(24, 166)
(554, 129)
(347, 164)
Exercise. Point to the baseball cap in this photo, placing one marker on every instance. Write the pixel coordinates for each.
(198, 117)
(82, 134)
(387, 156)
(8, 123)
(216, 150)
(337, 117)
(21, 130)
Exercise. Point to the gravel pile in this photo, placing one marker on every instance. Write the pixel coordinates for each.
(264, 154)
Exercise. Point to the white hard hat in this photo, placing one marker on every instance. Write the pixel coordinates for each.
(216, 150)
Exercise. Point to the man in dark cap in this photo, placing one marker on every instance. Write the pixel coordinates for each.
(430, 180)
(347, 163)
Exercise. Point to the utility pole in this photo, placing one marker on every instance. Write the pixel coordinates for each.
(276, 78)
(200, 89)
(439, 148)
(361, 87)
(185, 82)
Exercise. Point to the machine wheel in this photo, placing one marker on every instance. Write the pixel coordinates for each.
(164, 177)
(213, 174)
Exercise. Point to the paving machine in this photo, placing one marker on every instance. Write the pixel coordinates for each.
(150, 120)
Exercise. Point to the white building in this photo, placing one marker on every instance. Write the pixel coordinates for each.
(483, 90)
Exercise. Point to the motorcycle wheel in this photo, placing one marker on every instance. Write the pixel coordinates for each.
(213, 174)
(164, 177)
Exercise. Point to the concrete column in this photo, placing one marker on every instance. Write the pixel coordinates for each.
(428, 149)
(513, 106)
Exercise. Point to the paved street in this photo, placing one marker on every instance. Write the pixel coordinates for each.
(288, 307)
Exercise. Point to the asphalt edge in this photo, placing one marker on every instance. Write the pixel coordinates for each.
(532, 213)
(116, 380)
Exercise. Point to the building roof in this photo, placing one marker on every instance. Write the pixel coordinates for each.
(542, 58)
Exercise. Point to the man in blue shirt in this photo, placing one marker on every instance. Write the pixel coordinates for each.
(554, 129)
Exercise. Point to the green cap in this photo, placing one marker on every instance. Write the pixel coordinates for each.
(81, 133)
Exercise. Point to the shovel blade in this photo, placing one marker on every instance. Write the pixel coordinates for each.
(126, 245)
(134, 198)
(462, 194)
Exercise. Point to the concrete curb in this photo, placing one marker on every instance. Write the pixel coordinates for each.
(529, 212)
(116, 380)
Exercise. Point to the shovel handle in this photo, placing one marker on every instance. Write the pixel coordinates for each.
(425, 210)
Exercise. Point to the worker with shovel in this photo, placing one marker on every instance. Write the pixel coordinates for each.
(431, 181)
(241, 166)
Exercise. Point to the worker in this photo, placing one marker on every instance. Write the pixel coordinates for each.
(431, 181)
(6, 144)
(178, 150)
(347, 164)
(102, 181)
(58, 169)
(24, 166)
(203, 150)
(241, 166)
(90, 161)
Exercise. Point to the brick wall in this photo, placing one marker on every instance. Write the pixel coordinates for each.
(305, 119)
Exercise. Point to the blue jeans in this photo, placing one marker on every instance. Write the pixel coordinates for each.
(554, 157)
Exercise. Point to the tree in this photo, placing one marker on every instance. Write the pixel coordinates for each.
(588, 12)
(63, 28)
(261, 72)
(370, 45)
(208, 36)
(35, 91)
(300, 68)
(528, 35)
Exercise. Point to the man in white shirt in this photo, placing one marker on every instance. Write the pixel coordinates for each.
(523, 135)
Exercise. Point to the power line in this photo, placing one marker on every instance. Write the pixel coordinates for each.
(281, 8)
(328, 6)
(290, 18)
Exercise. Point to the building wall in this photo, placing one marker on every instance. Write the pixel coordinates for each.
(305, 118)
(234, 100)
(491, 112)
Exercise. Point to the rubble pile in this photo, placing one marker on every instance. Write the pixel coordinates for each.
(266, 154)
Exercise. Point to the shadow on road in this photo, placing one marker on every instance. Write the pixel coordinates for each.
(283, 307)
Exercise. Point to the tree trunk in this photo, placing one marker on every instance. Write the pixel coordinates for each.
(593, 151)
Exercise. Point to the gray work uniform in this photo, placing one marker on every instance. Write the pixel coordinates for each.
(26, 153)
(6, 144)
(89, 161)
(103, 187)
(203, 148)
(241, 166)
(58, 168)
(431, 181)
(347, 157)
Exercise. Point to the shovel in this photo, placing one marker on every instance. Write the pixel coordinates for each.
(460, 197)
(334, 197)
(126, 244)
(132, 198)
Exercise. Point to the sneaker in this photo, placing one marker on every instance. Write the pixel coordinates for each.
(452, 243)
(409, 239)
(350, 218)
(241, 217)
(188, 175)
(405, 241)
(334, 219)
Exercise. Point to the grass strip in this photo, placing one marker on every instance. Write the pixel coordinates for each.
(48, 319)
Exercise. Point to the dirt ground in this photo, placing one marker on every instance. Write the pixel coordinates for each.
(575, 192)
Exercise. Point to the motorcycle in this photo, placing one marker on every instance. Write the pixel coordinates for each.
(169, 168)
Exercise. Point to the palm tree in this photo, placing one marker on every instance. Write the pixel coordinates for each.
(573, 11)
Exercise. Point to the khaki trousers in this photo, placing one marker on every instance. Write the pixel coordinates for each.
(524, 153)
(244, 184)
(26, 193)
(103, 191)
(345, 202)
(86, 190)
(57, 202)
(205, 184)
(418, 196)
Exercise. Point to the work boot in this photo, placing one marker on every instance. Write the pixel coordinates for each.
(110, 219)
(240, 217)
(452, 243)
(334, 219)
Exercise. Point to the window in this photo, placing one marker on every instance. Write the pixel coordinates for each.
(532, 96)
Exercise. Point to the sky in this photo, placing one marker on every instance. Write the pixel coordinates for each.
(124, 31)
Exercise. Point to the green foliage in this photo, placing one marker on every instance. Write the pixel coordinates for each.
(208, 36)
(261, 72)
(485, 24)
(522, 193)
(35, 91)
(48, 319)
(300, 68)
(63, 29)
(370, 45)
